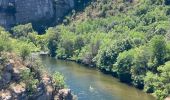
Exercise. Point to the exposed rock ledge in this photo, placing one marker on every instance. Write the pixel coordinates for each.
(13, 88)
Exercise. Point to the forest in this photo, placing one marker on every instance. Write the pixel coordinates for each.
(129, 39)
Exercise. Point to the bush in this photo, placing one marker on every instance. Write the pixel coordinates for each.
(5, 43)
(24, 52)
(58, 81)
(31, 83)
(22, 30)
(1, 46)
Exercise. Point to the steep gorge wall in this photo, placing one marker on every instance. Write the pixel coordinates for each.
(32, 10)
(6, 18)
(23, 11)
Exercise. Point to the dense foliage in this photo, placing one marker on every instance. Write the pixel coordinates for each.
(23, 46)
(128, 38)
(133, 44)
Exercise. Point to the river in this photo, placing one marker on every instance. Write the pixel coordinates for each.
(90, 84)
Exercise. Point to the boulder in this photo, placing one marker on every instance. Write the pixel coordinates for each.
(49, 91)
(40, 91)
(65, 94)
(16, 75)
(19, 91)
(47, 95)
(18, 88)
(45, 89)
(46, 80)
(5, 95)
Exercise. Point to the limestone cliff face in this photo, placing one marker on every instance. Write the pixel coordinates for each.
(62, 7)
(23, 11)
(32, 10)
(6, 18)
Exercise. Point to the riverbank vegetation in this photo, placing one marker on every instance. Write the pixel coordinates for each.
(22, 76)
(127, 38)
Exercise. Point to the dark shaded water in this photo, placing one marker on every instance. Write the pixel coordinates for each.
(90, 84)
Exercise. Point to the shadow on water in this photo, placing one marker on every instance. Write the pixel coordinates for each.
(90, 84)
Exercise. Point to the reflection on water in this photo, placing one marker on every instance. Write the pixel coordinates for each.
(90, 84)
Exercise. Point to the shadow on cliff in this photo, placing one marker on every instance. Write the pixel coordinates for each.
(41, 25)
(80, 5)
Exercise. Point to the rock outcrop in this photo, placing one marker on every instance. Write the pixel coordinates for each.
(65, 94)
(14, 87)
(23, 11)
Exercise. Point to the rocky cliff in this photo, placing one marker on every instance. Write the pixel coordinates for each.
(23, 11)
(23, 81)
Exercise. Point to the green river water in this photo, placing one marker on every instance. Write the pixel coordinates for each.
(90, 84)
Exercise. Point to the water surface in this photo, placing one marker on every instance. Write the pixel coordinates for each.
(90, 84)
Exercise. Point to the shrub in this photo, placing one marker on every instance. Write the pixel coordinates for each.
(31, 83)
(24, 52)
(58, 80)
(22, 30)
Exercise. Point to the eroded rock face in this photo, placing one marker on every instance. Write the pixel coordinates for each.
(46, 89)
(18, 91)
(5, 3)
(5, 95)
(13, 87)
(6, 20)
(62, 7)
(65, 94)
(23, 11)
(33, 10)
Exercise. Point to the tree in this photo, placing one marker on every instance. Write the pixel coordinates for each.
(5, 44)
(79, 43)
(106, 58)
(52, 46)
(163, 88)
(68, 45)
(52, 40)
(22, 30)
(158, 46)
(150, 81)
(140, 66)
(159, 83)
(124, 64)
